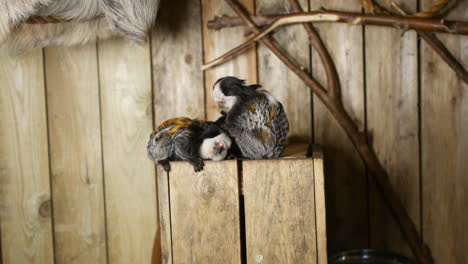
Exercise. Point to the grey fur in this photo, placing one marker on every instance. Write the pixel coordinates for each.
(163, 148)
(246, 126)
(90, 19)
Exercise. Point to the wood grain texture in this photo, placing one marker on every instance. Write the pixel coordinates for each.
(346, 189)
(75, 154)
(276, 77)
(445, 148)
(280, 211)
(127, 120)
(25, 216)
(218, 42)
(1, 255)
(293, 151)
(392, 116)
(320, 208)
(205, 213)
(164, 215)
(177, 51)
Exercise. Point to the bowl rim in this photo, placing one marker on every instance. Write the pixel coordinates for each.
(357, 254)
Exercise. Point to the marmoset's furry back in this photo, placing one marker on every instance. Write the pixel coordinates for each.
(89, 19)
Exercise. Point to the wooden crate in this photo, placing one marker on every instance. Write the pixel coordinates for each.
(280, 218)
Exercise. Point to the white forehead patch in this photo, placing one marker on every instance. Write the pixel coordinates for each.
(229, 102)
(218, 95)
(224, 102)
(208, 147)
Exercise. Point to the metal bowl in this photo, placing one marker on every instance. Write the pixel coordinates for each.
(368, 256)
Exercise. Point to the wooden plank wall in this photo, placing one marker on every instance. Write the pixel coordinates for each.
(126, 116)
(75, 183)
(24, 161)
(444, 146)
(345, 181)
(392, 120)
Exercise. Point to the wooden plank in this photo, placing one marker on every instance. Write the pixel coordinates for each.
(75, 154)
(205, 213)
(346, 179)
(217, 43)
(178, 86)
(177, 52)
(294, 151)
(164, 216)
(280, 211)
(320, 209)
(125, 83)
(445, 148)
(1, 255)
(276, 77)
(25, 214)
(392, 116)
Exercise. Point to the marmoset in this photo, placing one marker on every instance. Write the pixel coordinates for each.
(86, 20)
(254, 118)
(187, 139)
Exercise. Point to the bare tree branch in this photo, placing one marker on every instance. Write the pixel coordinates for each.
(439, 47)
(403, 22)
(279, 20)
(358, 139)
(445, 54)
(330, 69)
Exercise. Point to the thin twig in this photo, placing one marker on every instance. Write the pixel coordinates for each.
(371, 7)
(358, 139)
(445, 54)
(430, 11)
(220, 22)
(439, 48)
(352, 18)
(328, 64)
(426, 24)
(274, 47)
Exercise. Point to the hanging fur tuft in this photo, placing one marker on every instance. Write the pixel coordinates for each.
(85, 20)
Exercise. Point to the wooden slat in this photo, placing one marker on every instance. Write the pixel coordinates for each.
(445, 148)
(320, 209)
(294, 151)
(75, 154)
(217, 43)
(127, 119)
(279, 211)
(1, 254)
(392, 116)
(177, 51)
(164, 216)
(24, 165)
(276, 77)
(205, 213)
(177, 55)
(346, 180)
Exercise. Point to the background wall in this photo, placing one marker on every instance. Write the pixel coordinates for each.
(75, 123)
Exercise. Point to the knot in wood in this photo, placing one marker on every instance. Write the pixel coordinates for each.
(45, 209)
(207, 188)
(188, 58)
